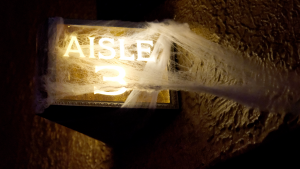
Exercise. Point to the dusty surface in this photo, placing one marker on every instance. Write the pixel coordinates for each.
(212, 129)
(29, 141)
(208, 130)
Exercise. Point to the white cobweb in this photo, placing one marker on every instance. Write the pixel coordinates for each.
(246, 80)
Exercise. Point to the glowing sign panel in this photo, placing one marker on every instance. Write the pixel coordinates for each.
(104, 56)
(119, 79)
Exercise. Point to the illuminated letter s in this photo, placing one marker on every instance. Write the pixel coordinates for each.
(113, 52)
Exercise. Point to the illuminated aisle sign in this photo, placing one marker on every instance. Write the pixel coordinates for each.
(121, 71)
(113, 52)
(101, 64)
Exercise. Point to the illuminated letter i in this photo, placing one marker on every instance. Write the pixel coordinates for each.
(92, 54)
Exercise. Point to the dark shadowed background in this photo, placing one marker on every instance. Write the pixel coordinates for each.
(207, 132)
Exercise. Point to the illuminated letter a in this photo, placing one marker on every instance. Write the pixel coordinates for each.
(74, 39)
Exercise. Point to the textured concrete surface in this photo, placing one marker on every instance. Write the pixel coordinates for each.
(29, 141)
(209, 129)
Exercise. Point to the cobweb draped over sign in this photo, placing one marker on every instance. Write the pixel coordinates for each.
(249, 81)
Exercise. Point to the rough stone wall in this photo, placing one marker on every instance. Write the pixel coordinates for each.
(27, 140)
(208, 130)
(211, 129)
(268, 29)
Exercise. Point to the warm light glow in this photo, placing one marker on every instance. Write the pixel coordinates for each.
(113, 52)
(119, 79)
(140, 50)
(74, 39)
(122, 52)
(92, 55)
(73, 75)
